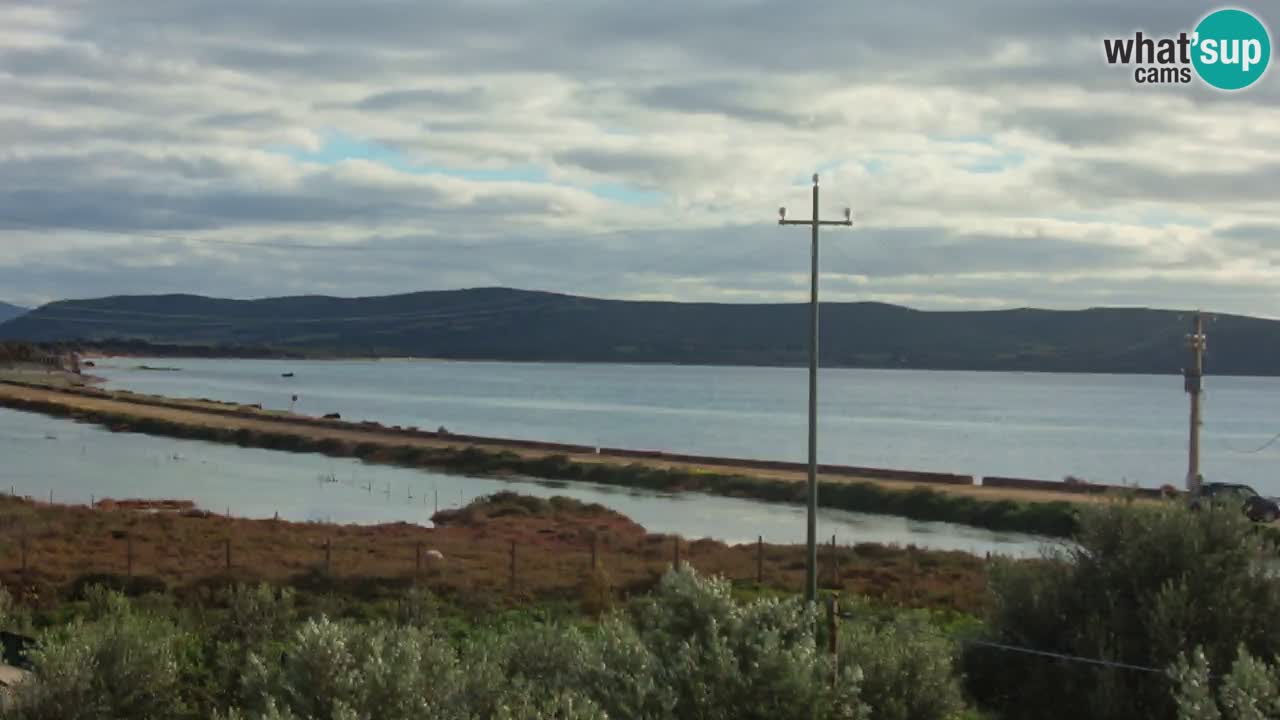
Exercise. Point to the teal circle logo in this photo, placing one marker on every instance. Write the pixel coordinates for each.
(1231, 49)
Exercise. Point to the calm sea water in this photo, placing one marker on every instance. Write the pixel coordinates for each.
(1106, 428)
(79, 463)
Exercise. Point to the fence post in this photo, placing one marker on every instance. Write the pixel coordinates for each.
(911, 576)
(759, 559)
(513, 566)
(833, 635)
(594, 550)
(226, 543)
(835, 563)
(675, 563)
(23, 544)
(417, 558)
(50, 496)
(328, 557)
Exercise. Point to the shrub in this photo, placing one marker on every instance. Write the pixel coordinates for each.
(1250, 692)
(724, 660)
(121, 665)
(908, 668)
(13, 617)
(1142, 585)
(337, 670)
(256, 622)
(688, 652)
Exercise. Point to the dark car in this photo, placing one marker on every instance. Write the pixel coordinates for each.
(1258, 508)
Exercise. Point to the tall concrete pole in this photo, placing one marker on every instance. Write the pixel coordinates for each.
(1194, 387)
(811, 528)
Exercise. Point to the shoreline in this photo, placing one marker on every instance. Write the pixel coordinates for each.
(324, 357)
(918, 496)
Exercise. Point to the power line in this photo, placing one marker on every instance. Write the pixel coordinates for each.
(1065, 657)
(1062, 656)
(1264, 446)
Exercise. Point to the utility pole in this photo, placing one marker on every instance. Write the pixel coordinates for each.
(1194, 385)
(811, 566)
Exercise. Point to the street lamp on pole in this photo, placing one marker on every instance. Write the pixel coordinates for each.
(811, 534)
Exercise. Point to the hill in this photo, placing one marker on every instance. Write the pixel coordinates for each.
(8, 312)
(506, 324)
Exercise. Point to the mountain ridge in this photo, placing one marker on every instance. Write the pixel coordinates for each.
(9, 311)
(493, 323)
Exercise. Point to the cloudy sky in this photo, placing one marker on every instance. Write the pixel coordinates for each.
(250, 148)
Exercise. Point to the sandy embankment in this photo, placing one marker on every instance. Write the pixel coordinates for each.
(208, 414)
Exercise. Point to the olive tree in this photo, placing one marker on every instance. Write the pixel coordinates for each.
(1141, 585)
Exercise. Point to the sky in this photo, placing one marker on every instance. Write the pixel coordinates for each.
(991, 158)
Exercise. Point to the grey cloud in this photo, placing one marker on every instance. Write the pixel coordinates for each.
(1251, 240)
(257, 119)
(582, 33)
(426, 98)
(1111, 180)
(731, 98)
(1085, 127)
(1259, 232)
(647, 168)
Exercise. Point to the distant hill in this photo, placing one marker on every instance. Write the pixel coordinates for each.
(8, 312)
(505, 324)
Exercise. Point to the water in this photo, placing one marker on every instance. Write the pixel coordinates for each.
(81, 462)
(1105, 428)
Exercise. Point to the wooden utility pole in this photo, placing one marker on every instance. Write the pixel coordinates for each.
(1194, 385)
(811, 569)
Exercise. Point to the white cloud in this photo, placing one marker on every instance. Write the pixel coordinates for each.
(633, 150)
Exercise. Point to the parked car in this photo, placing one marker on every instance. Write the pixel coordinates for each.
(1259, 508)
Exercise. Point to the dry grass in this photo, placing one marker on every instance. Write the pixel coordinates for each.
(67, 546)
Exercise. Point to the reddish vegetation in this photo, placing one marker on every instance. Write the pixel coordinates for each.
(552, 542)
(137, 504)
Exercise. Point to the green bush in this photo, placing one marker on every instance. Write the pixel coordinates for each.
(725, 660)
(1142, 585)
(908, 667)
(123, 664)
(689, 651)
(1250, 692)
(14, 618)
(331, 670)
